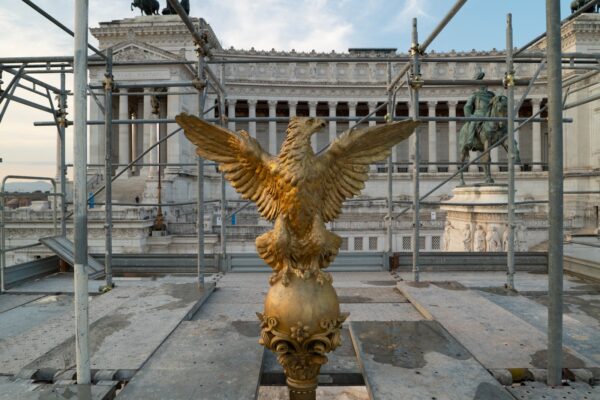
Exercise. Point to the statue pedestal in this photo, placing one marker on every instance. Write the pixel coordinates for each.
(477, 218)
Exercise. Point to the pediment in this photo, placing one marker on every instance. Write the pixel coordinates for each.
(139, 51)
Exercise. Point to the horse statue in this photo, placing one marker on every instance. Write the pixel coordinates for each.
(577, 4)
(486, 134)
(148, 7)
(170, 10)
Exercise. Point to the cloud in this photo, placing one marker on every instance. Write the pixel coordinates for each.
(401, 16)
(279, 24)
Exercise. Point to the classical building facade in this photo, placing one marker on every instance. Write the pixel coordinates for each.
(339, 87)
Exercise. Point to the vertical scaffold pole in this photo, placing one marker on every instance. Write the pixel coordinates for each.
(510, 94)
(390, 117)
(62, 152)
(415, 85)
(82, 355)
(200, 180)
(223, 191)
(555, 195)
(108, 89)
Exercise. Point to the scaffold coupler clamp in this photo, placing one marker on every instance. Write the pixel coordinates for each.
(106, 288)
(199, 84)
(388, 118)
(416, 82)
(415, 48)
(508, 80)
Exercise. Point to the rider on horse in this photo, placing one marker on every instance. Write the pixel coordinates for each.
(478, 105)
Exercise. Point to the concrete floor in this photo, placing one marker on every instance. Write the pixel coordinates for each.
(458, 337)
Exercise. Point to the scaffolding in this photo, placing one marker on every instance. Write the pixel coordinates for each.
(206, 79)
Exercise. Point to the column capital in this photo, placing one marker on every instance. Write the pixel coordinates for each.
(432, 103)
(231, 102)
(332, 104)
(123, 90)
(452, 103)
(372, 104)
(536, 102)
(292, 103)
(352, 104)
(272, 103)
(313, 103)
(252, 102)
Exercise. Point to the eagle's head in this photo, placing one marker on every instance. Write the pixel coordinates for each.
(304, 127)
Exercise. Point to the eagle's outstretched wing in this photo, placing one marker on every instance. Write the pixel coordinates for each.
(345, 165)
(246, 165)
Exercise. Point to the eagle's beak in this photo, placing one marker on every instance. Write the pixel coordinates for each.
(318, 124)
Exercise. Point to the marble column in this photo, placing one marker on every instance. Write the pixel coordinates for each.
(154, 111)
(332, 124)
(452, 137)
(97, 142)
(148, 130)
(312, 112)
(352, 112)
(231, 113)
(536, 150)
(137, 134)
(124, 139)
(292, 107)
(432, 138)
(174, 143)
(372, 106)
(517, 146)
(272, 127)
(252, 114)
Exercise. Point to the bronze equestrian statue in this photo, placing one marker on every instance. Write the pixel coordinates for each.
(480, 135)
(577, 4)
(170, 10)
(148, 7)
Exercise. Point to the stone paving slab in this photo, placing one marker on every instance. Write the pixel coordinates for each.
(382, 312)
(581, 331)
(379, 279)
(370, 295)
(126, 337)
(214, 311)
(10, 301)
(33, 313)
(61, 282)
(419, 360)
(217, 360)
(18, 351)
(26, 390)
(495, 336)
(537, 391)
(233, 295)
(524, 281)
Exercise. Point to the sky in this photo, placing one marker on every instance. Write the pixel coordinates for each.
(304, 25)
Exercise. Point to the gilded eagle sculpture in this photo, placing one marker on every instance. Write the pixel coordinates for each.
(300, 192)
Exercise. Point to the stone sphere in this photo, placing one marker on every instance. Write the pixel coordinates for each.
(304, 303)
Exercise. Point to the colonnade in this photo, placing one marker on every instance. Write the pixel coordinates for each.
(132, 139)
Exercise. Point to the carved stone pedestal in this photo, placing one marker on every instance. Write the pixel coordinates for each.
(477, 220)
(301, 323)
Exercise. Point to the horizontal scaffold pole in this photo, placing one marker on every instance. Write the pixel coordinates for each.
(286, 120)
